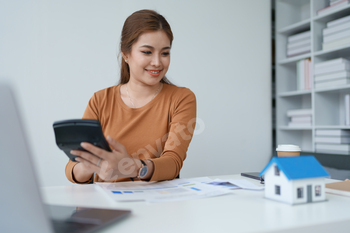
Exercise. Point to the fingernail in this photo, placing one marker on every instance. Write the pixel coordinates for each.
(109, 138)
(77, 159)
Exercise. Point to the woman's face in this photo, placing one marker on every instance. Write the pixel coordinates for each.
(149, 58)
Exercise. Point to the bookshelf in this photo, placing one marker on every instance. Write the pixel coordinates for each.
(327, 103)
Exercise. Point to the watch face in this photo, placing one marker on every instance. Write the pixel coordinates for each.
(143, 171)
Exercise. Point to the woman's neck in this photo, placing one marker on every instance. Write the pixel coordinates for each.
(136, 96)
(140, 91)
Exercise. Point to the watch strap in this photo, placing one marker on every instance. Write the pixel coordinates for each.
(143, 162)
(143, 170)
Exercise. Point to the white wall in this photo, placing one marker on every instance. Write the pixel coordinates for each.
(57, 53)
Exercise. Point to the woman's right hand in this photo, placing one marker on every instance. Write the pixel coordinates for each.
(82, 173)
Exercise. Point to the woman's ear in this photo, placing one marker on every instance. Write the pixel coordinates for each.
(125, 57)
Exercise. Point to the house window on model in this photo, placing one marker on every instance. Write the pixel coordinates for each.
(318, 190)
(277, 190)
(277, 171)
(300, 192)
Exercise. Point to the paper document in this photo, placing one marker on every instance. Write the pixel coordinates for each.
(236, 184)
(223, 184)
(245, 184)
(174, 190)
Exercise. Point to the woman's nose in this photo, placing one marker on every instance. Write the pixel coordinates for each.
(155, 61)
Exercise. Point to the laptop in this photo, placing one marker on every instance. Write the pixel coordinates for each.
(21, 206)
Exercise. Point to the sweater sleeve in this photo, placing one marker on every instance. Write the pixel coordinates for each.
(91, 113)
(182, 124)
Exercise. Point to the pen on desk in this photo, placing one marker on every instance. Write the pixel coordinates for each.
(188, 184)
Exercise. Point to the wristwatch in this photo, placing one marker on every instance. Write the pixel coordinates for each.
(143, 170)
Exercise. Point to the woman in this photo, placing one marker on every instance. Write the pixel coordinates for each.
(149, 122)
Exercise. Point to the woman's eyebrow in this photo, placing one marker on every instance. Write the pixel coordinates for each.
(151, 47)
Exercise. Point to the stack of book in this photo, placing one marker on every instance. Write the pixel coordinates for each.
(337, 33)
(300, 117)
(299, 44)
(304, 74)
(332, 72)
(333, 141)
(334, 5)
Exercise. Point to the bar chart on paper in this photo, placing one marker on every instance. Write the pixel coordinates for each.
(179, 189)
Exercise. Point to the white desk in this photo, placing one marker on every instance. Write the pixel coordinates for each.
(241, 211)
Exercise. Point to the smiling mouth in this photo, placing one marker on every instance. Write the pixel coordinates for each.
(154, 71)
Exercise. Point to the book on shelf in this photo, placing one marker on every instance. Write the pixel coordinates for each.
(333, 147)
(304, 74)
(333, 132)
(331, 76)
(301, 119)
(332, 2)
(300, 75)
(339, 21)
(332, 69)
(335, 82)
(298, 44)
(340, 188)
(347, 108)
(336, 43)
(299, 112)
(338, 28)
(299, 36)
(298, 51)
(332, 62)
(332, 7)
(332, 152)
(333, 140)
(336, 36)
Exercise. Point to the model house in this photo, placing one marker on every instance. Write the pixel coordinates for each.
(295, 180)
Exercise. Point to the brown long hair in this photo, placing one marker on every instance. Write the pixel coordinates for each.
(136, 24)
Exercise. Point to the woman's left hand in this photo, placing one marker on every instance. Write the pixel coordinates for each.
(108, 165)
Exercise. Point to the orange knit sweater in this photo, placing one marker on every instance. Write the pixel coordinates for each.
(161, 130)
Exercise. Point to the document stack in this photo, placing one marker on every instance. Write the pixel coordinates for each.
(300, 117)
(332, 72)
(337, 33)
(299, 44)
(304, 74)
(334, 5)
(332, 141)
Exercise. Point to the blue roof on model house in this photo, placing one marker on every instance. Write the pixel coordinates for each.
(298, 167)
